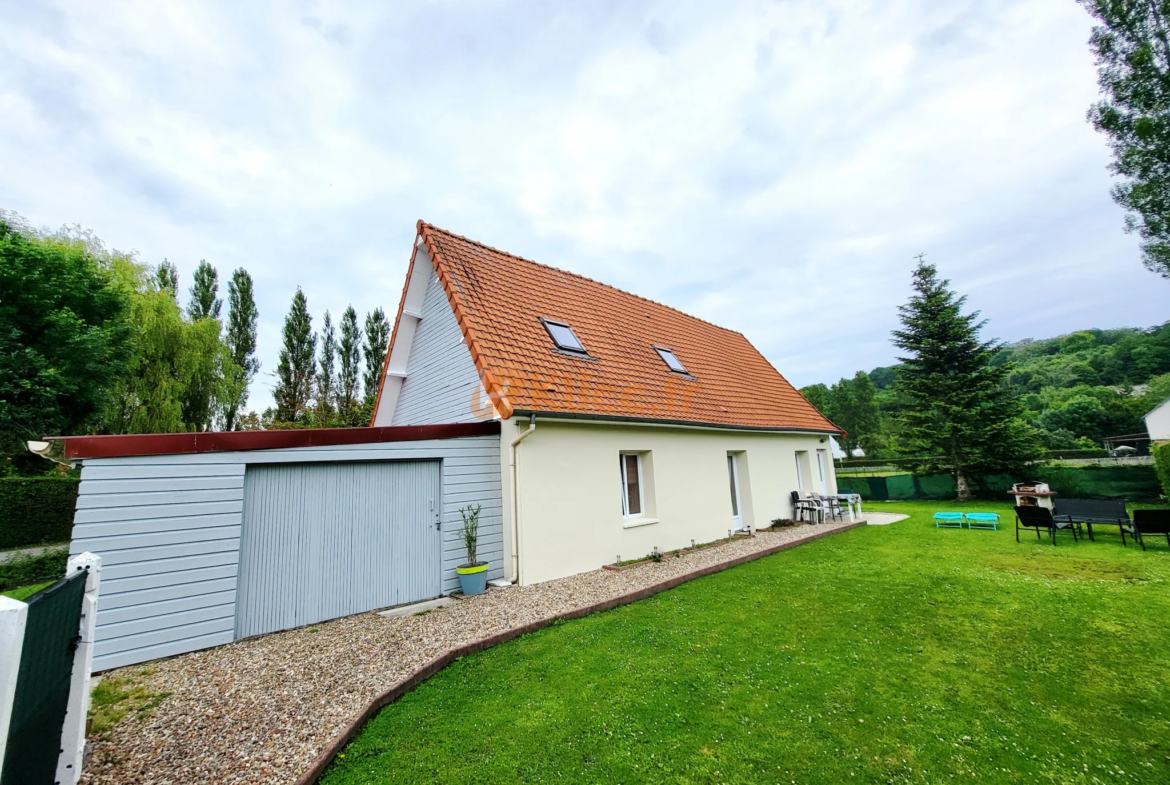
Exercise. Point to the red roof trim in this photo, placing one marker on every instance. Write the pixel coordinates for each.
(80, 447)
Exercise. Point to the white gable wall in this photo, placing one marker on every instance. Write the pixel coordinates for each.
(441, 380)
(1158, 422)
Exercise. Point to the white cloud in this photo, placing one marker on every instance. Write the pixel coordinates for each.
(771, 166)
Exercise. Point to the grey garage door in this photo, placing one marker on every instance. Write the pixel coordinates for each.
(323, 540)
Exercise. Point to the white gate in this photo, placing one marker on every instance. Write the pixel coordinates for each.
(324, 540)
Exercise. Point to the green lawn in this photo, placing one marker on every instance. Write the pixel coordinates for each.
(24, 592)
(894, 654)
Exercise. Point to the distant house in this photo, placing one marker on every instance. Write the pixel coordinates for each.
(1158, 422)
(642, 426)
(588, 423)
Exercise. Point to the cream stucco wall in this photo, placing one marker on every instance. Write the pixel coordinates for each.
(569, 489)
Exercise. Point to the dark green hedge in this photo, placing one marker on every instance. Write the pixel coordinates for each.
(36, 510)
(1134, 483)
(25, 570)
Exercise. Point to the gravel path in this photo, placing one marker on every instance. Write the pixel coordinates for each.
(262, 710)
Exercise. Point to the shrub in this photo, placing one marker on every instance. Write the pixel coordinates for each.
(27, 569)
(1161, 451)
(781, 523)
(36, 510)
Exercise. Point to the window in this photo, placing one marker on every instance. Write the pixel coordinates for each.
(671, 361)
(799, 472)
(631, 484)
(563, 336)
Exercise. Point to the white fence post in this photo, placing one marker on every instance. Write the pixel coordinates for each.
(73, 732)
(13, 615)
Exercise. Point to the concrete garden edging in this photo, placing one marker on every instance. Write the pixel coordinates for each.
(321, 764)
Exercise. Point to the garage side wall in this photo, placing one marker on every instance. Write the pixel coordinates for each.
(168, 530)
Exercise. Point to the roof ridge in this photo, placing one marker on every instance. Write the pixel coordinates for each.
(581, 277)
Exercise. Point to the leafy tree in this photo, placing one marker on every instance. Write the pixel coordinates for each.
(205, 302)
(297, 367)
(1132, 46)
(854, 406)
(818, 396)
(960, 413)
(377, 342)
(64, 336)
(349, 375)
(167, 279)
(241, 342)
(326, 378)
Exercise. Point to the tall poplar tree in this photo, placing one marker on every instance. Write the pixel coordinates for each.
(326, 379)
(298, 365)
(241, 342)
(166, 276)
(1132, 46)
(959, 414)
(349, 375)
(377, 341)
(205, 302)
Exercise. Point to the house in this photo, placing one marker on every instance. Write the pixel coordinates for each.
(588, 423)
(625, 425)
(1158, 422)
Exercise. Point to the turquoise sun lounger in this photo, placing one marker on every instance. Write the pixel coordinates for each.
(948, 520)
(982, 520)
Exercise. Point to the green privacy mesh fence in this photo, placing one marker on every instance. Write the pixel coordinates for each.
(1089, 482)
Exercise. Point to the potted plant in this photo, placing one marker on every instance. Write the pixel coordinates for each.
(473, 575)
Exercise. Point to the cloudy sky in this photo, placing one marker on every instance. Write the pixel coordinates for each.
(770, 166)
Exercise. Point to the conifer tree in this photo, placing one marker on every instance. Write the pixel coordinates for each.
(959, 415)
(326, 380)
(377, 341)
(297, 367)
(205, 302)
(241, 342)
(349, 375)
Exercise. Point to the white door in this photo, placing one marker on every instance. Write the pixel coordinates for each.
(821, 468)
(733, 476)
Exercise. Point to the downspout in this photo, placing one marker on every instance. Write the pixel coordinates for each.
(53, 451)
(515, 503)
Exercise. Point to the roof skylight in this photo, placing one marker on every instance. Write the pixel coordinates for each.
(563, 336)
(671, 361)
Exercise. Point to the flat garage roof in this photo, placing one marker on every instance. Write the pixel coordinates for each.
(81, 447)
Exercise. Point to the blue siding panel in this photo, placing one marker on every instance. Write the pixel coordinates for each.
(440, 374)
(169, 529)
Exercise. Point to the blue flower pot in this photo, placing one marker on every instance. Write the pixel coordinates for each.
(473, 580)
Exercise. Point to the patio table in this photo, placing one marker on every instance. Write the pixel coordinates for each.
(851, 500)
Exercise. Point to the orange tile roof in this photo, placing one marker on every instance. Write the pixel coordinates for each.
(499, 298)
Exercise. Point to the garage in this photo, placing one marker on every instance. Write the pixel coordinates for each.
(207, 538)
(324, 540)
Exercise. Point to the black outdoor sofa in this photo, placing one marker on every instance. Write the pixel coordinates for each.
(1041, 518)
(1110, 512)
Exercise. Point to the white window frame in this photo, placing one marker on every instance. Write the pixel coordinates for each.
(799, 474)
(626, 487)
(823, 474)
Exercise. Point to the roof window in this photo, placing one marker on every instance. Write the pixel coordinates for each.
(671, 361)
(563, 336)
